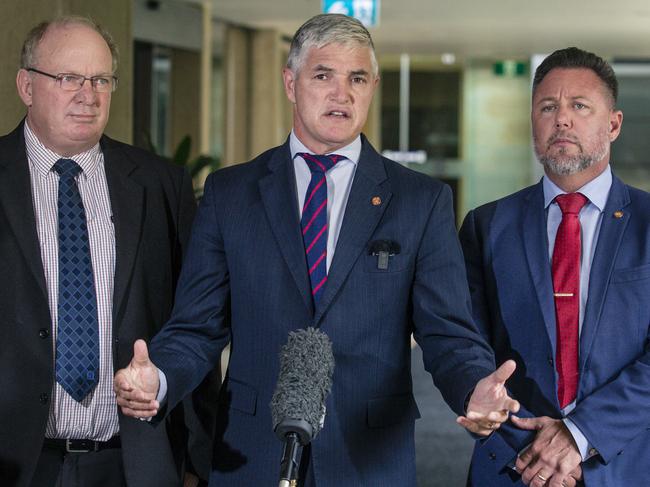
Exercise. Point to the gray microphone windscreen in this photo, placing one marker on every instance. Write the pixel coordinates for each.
(305, 379)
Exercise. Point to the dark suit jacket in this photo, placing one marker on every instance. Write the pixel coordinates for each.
(509, 273)
(153, 207)
(246, 266)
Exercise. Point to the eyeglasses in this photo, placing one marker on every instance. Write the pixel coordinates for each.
(74, 82)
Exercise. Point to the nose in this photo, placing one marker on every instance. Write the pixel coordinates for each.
(340, 90)
(86, 93)
(562, 117)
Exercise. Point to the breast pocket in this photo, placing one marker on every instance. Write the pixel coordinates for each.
(396, 263)
(631, 274)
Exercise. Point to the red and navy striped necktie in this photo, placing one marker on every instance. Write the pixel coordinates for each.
(314, 220)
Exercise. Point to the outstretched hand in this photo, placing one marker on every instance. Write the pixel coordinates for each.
(489, 404)
(136, 386)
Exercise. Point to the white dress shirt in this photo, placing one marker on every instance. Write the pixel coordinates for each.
(95, 417)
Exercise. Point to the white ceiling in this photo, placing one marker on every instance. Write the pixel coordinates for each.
(487, 28)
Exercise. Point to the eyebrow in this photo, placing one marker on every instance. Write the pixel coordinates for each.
(327, 69)
(322, 67)
(573, 98)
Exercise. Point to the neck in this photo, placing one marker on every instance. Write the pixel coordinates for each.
(570, 183)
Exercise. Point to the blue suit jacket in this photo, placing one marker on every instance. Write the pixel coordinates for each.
(245, 280)
(506, 252)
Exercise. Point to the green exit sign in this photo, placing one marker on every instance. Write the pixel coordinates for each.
(510, 68)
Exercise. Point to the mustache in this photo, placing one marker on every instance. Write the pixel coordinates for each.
(562, 135)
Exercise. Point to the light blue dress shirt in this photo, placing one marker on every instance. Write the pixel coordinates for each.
(591, 216)
(339, 182)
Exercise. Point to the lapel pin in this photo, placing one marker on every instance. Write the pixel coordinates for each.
(618, 214)
(376, 201)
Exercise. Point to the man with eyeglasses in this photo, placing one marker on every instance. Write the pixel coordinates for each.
(92, 232)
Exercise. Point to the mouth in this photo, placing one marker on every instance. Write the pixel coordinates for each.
(338, 114)
(83, 117)
(562, 141)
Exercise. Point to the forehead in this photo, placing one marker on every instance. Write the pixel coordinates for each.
(74, 48)
(345, 57)
(571, 82)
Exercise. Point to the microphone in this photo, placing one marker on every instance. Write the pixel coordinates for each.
(298, 403)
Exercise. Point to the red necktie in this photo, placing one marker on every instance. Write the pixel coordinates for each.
(566, 290)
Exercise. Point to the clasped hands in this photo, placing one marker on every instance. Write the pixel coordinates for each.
(552, 459)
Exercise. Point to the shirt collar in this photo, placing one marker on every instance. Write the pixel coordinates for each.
(352, 151)
(596, 190)
(43, 159)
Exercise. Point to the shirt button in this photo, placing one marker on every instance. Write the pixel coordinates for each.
(43, 398)
(43, 333)
(550, 360)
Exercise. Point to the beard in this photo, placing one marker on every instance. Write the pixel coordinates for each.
(564, 164)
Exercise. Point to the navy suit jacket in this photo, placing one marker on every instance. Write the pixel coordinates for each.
(509, 273)
(245, 280)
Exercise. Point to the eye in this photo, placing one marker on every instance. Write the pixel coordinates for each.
(101, 81)
(548, 108)
(579, 105)
(321, 76)
(70, 78)
(359, 80)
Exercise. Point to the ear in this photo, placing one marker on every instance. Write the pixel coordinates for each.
(289, 79)
(615, 122)
(24, 86)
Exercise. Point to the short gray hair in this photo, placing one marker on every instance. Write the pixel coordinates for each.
(34, 37)
(325, 29)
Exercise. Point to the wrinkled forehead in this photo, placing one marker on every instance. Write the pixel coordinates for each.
(73, 43)
(354, 55)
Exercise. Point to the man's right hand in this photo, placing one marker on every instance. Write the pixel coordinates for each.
(136, 386)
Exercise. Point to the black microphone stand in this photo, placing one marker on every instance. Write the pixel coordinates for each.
(295, 433)
(290, 463)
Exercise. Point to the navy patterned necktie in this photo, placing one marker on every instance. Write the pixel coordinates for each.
(314, 220)
(77, 338)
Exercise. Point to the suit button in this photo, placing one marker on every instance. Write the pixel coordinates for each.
(43, 333)
(493, 456)
(43, 398)
(550, 360)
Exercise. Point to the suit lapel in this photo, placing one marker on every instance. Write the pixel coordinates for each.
(360, 219)
(278, 192)
(536, 243)
(16, 199)
(609, 242)
(127, 202)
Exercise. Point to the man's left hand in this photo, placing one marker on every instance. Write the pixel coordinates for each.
(552, 456)
(489, 404)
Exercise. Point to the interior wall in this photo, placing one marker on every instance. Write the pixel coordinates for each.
(496, 145)
(186, 74)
